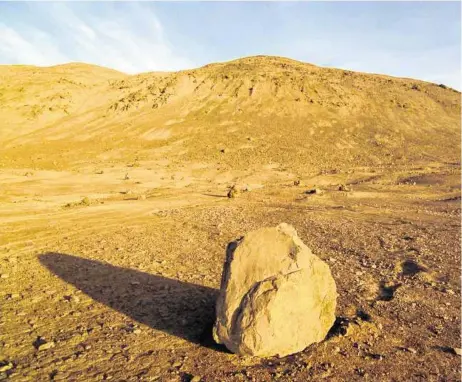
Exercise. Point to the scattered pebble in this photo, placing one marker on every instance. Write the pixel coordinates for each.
(233, 192)
(313, 191)
(5, 366)
(46, 346)
(41, 344)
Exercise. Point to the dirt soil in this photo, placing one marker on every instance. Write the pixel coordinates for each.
(114, 222)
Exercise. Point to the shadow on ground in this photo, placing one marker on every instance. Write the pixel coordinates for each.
(179, 308)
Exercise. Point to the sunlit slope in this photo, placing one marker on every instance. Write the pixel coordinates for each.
(254, 111)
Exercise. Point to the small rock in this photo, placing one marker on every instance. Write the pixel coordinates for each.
(343, 187)
(41, 344)
(196, 378)
(233, 192)
(5, 366)
(457, 351)
(137, 331)
(297, 182)
(313, 191)
(4, 275)
(46, 346)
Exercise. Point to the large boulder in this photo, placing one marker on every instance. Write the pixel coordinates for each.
(276, 296)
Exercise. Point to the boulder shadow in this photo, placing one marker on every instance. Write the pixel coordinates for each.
(179, 308)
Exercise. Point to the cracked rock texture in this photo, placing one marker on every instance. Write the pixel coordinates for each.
(276, 296)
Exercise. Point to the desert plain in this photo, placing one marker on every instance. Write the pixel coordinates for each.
(114, 217)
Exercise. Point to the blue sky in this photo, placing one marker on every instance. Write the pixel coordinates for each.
(407, 39)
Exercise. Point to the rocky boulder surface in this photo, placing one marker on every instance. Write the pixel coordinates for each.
(276, 296)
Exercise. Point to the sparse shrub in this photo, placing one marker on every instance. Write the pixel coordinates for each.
(415, 87)
(85, 201)
(442, 86)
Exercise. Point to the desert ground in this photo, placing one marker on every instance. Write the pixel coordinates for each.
(114, 217)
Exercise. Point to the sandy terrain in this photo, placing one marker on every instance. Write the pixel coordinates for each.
(114, 219)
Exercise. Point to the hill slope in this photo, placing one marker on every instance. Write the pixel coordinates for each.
(262, 110)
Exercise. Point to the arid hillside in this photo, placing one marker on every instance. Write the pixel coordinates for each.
(259, 110)
(114, 217)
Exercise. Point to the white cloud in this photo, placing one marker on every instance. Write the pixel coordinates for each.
(129, 39)
(20, 49)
